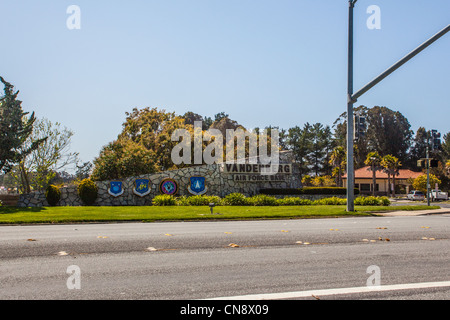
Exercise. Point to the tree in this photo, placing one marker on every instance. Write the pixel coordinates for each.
(340, 136)
(337, 160)
(374, 161)
(328, 143)
(391, 166)
(15, 128)
(446, 146)
(323, 181)
(219, 116)
(418, 147)
(388, 132)
(84, 170)
(307, 181)
(299, 141)
(124, 158)
(420, 183)
(190, 118)
(52, 155)
(321, 145)
(152, 129)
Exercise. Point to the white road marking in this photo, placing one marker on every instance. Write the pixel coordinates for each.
(329, 292)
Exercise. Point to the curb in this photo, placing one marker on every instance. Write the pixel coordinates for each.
(414, 213)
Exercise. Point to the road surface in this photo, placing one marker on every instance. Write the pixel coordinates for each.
(206, 260)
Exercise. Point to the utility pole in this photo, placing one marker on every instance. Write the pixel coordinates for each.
(350, 102)
(353, 97)
(428, 169)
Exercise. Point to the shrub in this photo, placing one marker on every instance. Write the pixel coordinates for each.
(372, 201)
(182, 201)
(333, 201)
(236, 199)
(88, 191)
(164, 200)
(53, 195)
(218, 201)
(307, 190)
(262, 200)
(294, 201)
(385, 201)
(197, 201)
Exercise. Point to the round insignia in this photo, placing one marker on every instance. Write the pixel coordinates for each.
(168, 186)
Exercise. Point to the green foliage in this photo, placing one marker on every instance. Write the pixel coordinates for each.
(164, 200)
(333, 201)
(238, 199)
(88, 191)
(235, 199)
(52, 155)
(420, 183)
(372, 201)
(262, 200)
(323, 181)
(294, 201)
(15, 128)
(199, 200)
(124, 158)
(53, 195)
(215, 199)
(144, 146)
(307, 190)
(384, 201)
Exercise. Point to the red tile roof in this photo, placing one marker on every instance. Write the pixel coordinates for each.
(366, 173)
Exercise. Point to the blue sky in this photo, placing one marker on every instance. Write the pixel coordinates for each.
(264, 62)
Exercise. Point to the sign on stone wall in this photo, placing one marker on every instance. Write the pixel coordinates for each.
(198, 186)
(267, 169)
(260, 178)
(141, 187)
(115, 188)
(168, 186)
(218, 179)
(258, 172)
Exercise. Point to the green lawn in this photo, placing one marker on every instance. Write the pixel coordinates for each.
(12, 215)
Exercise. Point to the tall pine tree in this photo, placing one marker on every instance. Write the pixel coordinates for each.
(15, 128)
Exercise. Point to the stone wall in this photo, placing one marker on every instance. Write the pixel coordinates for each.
(218, 181)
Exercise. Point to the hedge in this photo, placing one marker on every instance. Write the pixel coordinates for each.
(238, 199)
(307, 191)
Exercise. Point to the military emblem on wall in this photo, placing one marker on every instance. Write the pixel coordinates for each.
(198, 186)
(115, 188)
(168, 186)
(141, 187)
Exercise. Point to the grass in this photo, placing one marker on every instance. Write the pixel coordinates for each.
(13, 215)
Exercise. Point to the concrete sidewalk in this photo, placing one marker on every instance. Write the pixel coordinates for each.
(413, 213)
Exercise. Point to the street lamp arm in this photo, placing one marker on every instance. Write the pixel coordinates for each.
(397, 65)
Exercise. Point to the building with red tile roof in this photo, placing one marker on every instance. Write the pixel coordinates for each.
(364, 182)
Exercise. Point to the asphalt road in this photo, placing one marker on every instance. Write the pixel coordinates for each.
(203, 260)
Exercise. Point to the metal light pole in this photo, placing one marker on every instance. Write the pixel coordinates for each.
(353, 97)
(428, 168)
(350, 102)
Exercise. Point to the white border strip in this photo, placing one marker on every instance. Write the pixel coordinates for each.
(328, 292)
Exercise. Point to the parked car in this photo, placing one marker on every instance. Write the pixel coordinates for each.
(416, 195)
(439, 195)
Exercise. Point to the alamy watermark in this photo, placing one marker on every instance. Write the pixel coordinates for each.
(240, 147)
(74, 280)
(73, 22)
(374, 21)
(374, 280)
